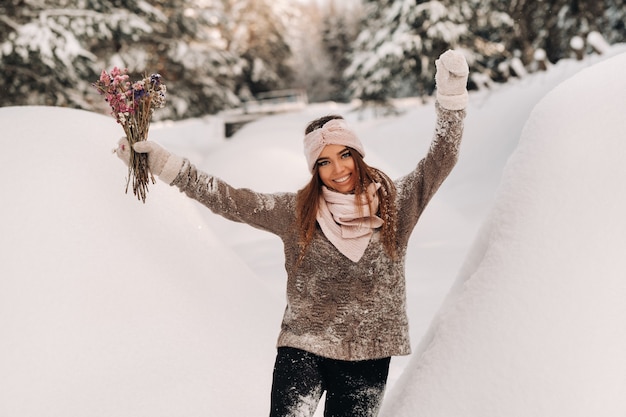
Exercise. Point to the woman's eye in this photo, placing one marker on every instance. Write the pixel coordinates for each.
(322, 163)
(346, 154)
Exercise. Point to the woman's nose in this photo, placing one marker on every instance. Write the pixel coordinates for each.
(338, 167)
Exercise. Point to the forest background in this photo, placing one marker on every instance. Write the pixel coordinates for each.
(215, 55)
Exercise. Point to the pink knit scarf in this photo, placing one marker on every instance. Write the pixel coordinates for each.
(338, 217)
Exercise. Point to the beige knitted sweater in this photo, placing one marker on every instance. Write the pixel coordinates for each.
(337, 308)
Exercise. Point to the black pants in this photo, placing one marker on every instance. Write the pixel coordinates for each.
(353, 388)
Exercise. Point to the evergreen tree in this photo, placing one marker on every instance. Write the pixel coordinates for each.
(256, 31)
(48, 53)
(395, 51)
(211, 53)
(614, 28)
(338, 34)
(490, 30)
(206, 51)
(399, 40)
(369, 77)
(188, 47)
(551, 24)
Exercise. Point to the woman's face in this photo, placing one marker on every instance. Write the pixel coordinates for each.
(336, 168)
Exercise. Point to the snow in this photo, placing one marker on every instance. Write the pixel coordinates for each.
(577, 43)
(597, 41)
(111, 307)
(535, 323)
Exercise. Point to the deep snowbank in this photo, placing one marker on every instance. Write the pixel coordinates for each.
(535, 323)
(109, 307)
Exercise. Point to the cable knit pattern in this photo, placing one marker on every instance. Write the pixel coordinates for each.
(337, 308)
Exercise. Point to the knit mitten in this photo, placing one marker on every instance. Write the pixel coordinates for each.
(162, 163)
(451, 80)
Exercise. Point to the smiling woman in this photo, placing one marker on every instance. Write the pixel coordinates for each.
(345, 236)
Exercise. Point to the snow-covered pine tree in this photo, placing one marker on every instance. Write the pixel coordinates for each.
(399, 41)
(53, 50)
(368, 76)
(486, 48)
(550, 25)
(255, 31)
(339, 29)
(49, 47)
(615, 27)
(189, 48)
(186, 45)
(210, 52)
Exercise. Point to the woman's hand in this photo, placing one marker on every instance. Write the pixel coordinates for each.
(451, 80)
(160, 161)
(157, 155)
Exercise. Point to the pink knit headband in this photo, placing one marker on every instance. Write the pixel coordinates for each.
(334, 132)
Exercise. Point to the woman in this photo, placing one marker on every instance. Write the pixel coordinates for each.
(345, 236)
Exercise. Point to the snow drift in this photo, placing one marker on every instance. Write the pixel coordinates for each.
(535, 324)
(109, 307)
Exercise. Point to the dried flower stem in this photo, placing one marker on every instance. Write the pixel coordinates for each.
(136, 130)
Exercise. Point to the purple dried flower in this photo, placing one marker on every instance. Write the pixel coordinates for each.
(155, 79)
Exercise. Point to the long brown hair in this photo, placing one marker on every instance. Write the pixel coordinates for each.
(307, 201)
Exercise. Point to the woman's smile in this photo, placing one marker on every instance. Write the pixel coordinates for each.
(343, 179)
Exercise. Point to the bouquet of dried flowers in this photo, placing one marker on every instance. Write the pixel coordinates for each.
(132, 105)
